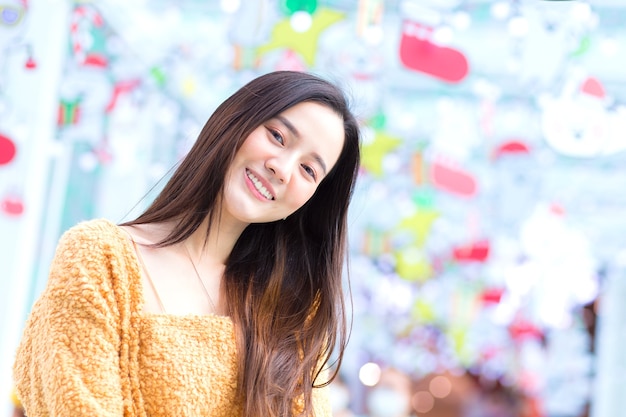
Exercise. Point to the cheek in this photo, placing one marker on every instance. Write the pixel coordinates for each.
(301, 193)
(253, 145)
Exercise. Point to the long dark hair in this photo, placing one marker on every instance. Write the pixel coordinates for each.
(283, 279)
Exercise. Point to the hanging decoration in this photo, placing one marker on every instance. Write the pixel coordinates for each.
(419, 52)
(8, 149)
(12, 204)
(284, 36)
(290, 7)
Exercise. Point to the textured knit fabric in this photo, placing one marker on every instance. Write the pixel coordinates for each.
(88, 349)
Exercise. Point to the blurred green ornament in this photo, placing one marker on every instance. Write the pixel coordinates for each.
(290, 7)
(418, 225)
(284, 36)
(158, 75)
(424, 198)
(378, 121)
(373, 153)
(583, 46)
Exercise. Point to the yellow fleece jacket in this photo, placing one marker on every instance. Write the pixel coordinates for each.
(88, 349)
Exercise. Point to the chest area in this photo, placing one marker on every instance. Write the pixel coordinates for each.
(187, 366)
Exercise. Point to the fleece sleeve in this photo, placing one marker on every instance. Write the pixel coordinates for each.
(321, 399)
(67, 363)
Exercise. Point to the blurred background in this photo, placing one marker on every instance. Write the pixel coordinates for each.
(487, 240)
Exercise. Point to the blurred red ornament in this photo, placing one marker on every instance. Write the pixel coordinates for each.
(512, 147)
(419, 53)
(492, 296)
(121, 87)
(290, 61)
(557, 209)
(103, 154)
(451, 178)
(31, 63)
(593, 87)
(474, 252)
(12, 205)
(7, 149)
(522, 329)
(96, 60)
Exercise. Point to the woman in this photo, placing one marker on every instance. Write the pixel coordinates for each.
(224, 297)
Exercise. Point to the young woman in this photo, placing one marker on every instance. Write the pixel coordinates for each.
(224, 298)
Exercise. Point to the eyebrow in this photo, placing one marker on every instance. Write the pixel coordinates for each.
(295, 133)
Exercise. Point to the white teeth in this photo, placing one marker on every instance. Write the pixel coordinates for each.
(259, 186)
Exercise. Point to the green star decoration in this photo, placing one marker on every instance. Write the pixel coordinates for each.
(419, 225)
(304, 43)
(373, 153)
(412, 265)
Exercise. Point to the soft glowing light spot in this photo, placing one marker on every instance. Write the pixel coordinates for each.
(88, 161)
(609, 47)
(413, 256)
(373, 35)
(157, 170)
(500, 10)
(620, 258)
(166, 116)
(440, 386)
(443, 35)
(368, 135)
(392, 163)
(369, 374)
(172, 17)
(518, 26)
(461, 20)
(581, 12)
(189, 86)
(513, 65)
(230, 6)
(301, 21)
(423, 402)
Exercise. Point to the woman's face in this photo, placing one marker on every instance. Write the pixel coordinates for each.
(282, 162)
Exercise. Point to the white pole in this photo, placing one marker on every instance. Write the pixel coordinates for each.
(609, 386)
(47, 31)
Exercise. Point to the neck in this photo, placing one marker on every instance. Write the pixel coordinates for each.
(216, 247)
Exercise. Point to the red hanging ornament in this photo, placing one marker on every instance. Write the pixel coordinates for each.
(419, 53)
(511, 147)
(7, 149)
(30, 63)
(491, 296)
(452, 178)
(474, 252)
(521, 329)
(12, 205)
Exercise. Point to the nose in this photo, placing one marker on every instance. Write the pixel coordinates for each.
(281, 168)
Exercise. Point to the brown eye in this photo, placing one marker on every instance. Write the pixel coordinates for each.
(309, 171)
(277, 136)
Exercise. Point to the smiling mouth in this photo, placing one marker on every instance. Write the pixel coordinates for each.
(259, 186)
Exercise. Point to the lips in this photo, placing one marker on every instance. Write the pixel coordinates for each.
(261, 186)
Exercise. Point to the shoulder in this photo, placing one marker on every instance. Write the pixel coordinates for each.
(92, 235)
(93, 229)
(92, 244)
(92, 257)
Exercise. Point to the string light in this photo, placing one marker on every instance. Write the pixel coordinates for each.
(369, 374)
